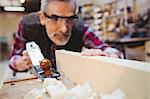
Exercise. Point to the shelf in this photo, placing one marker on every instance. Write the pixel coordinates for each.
(112, 16)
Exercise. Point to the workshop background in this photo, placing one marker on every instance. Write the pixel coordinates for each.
(124, 24)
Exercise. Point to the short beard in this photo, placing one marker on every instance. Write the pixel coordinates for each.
(60, 43)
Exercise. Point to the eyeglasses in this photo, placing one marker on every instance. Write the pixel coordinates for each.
(56, 18)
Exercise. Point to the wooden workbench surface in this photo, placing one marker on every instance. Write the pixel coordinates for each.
(17, 89)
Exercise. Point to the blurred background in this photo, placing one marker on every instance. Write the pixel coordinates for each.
(118, 22)
(123, 24)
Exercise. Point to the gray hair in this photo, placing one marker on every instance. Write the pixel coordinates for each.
(44, 3)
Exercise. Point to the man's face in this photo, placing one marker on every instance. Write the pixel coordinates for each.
(59, 20)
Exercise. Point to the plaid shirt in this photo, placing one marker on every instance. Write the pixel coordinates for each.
(90, 40)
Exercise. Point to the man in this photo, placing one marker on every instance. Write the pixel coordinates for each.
(55, 26)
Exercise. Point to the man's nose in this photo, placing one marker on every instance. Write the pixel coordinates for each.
(63, 27)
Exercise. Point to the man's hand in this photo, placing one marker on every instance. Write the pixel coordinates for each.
(110, 52)
(93, 52)
(23, 62)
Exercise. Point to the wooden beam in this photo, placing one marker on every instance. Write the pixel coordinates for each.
(106, 74)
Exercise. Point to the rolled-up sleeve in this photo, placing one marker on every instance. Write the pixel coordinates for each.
(91, 41)
(18, 47)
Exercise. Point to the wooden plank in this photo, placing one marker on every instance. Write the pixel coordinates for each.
(106, 74)
(18, 80)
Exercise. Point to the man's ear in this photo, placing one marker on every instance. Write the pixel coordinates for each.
(42, 17)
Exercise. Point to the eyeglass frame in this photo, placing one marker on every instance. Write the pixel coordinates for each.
(56, 17)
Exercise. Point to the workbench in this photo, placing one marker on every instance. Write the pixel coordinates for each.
(17, 89)
(124, 43)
